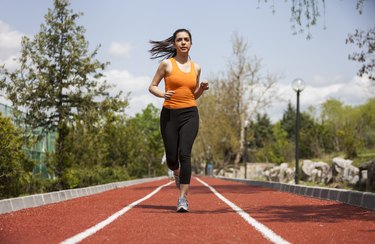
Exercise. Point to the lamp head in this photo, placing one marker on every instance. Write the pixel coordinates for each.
(298, 85)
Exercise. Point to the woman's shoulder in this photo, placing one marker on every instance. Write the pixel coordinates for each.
(197, 67)
(166, 65)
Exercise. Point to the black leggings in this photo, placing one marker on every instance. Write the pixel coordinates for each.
(179, 127)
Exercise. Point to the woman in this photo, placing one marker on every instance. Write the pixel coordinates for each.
(179, 119)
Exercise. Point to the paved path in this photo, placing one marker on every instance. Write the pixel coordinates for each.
(220, 212)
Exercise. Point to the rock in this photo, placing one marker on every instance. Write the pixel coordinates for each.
(281, 173)
(343, 170)
(367, 175)
(315, 171)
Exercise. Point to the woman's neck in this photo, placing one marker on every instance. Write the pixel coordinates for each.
(181, 58)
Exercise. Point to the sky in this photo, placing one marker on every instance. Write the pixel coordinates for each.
(123, 29)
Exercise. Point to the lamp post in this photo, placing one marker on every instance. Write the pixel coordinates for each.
(245, 147)
(298, 86)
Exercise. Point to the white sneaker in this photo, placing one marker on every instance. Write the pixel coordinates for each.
(182, 205)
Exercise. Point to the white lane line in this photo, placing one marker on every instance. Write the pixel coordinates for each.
(79, 237)
(264, 230)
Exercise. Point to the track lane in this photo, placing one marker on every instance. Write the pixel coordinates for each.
(301, 219)
(156, 221)
(295, 218)
(56, 222)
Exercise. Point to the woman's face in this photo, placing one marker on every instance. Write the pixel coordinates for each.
(182, 42)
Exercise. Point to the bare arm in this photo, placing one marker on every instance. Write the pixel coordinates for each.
(201, 86)
(160, 73)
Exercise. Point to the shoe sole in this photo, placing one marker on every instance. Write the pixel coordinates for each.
(182, 210)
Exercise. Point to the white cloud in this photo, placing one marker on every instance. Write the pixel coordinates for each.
(140, 97)
(10, 41)
(136, 104)
(351, 92)
(10, 62)
(120, 49)
(9, 38)
(321, 80)
(127, 82)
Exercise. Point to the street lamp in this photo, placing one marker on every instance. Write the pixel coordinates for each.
(245, 147)
(298, 86)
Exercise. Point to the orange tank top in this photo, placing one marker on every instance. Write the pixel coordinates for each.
(183, 84)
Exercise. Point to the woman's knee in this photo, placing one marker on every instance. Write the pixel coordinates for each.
(173, 164)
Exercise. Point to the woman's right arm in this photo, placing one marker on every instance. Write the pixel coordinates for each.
(159, 75)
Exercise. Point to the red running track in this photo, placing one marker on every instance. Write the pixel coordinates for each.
(294, 218)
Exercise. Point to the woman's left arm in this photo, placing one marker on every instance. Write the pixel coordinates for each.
(201, 86)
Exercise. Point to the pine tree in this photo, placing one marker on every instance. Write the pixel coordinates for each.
(58, 78)
(288, 122)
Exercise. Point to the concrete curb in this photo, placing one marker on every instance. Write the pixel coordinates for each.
(355, 198)
(18, 203)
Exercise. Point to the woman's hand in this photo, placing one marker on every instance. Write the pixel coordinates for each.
(204, 85)
(168, 94)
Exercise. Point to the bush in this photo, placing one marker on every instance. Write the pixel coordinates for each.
(15, 169)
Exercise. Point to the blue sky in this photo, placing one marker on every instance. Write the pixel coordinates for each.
(123, 29)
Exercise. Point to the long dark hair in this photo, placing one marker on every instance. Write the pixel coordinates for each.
(165, 49)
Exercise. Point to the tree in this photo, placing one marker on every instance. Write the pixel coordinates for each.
(262, 130)
(305, 14)
(58, 77)
(312, 134)
(145, 143)
(367, 123)
(345, 126)
(242, 91)
(365, 41)
(15, 169)
(217, 139)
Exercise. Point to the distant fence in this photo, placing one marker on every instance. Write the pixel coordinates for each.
(38, 151)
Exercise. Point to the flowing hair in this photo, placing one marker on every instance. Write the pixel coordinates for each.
(165, 49)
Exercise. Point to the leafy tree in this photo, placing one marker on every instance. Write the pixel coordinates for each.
(305, 14)
(242, 91)
(58, 78)
(144, 145)
(367, 123)
(343, 125)
(279, 150)
(15, 169)
(94, 150)
(312, 133)
(332, 117)
(282, 149)
(218, 132)
(365, 41)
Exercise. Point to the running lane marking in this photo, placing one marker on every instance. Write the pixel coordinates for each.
(79, 237)
(264, 230)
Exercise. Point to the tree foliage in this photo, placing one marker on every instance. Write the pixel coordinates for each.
(14, 167)
(58, 78)
(365, 41)
(305, 14)
(262, 131)
(236, 96)
(146, 143)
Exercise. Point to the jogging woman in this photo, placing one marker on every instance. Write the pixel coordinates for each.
(179, 119)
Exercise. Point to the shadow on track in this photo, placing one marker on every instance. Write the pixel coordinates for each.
(332, 213)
